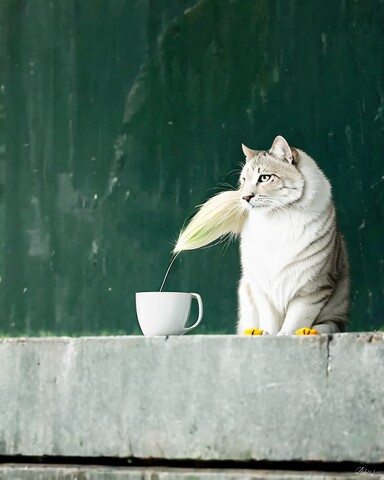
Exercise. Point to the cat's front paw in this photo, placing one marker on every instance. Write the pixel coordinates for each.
(306, 331)
(255, 331)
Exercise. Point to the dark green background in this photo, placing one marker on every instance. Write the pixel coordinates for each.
(117, 117)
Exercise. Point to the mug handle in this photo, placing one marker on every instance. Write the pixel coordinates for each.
(200, 304)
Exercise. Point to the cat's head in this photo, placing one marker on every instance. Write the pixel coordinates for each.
(270, 179)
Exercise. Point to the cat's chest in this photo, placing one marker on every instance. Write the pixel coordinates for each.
(267, 245)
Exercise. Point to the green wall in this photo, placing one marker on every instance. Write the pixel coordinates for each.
(118, 117)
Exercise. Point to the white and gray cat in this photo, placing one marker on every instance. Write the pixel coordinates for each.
(295, 273)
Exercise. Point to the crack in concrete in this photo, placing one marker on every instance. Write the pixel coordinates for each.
(328, 365)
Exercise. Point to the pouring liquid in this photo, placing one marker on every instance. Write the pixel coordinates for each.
(173, 258)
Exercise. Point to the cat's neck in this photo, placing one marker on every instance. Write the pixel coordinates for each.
(317, 189)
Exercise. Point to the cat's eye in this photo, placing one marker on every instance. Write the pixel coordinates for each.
(264, 178)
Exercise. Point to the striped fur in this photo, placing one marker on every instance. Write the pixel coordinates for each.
(295, 270)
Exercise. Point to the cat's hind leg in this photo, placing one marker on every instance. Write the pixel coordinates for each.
(327, 327)
(316, 329)
(303, 319)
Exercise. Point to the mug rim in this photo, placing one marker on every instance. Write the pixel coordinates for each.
(162, 293)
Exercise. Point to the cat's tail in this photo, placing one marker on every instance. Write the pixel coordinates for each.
(219, 217)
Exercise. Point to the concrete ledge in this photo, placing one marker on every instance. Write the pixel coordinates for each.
(198, 397)
(61, 472)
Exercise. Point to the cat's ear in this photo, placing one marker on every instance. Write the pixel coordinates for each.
(248, 152)
(282, 150)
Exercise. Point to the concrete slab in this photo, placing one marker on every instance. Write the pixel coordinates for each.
(197, 397)
(62, 472)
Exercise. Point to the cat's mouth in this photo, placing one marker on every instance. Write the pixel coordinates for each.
(245, 204)
(256, 202)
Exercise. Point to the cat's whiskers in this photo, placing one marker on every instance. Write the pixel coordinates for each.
(227, 185)
(235, 170)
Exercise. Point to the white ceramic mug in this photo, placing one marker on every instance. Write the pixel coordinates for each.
(166, 313)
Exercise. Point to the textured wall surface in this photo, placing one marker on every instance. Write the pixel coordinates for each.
(116, 118)
(194, 398)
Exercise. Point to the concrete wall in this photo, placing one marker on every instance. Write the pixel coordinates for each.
(195, 398)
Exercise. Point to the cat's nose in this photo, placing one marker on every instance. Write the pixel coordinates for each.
(247, 198)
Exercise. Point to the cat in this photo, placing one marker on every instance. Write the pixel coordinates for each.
(295, 272)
